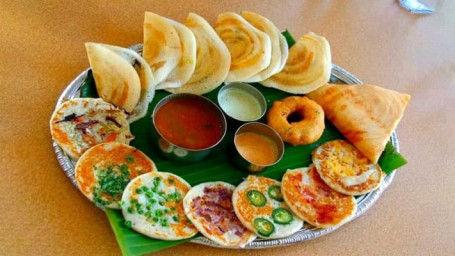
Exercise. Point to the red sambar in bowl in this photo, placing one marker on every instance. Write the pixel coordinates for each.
(188, 122)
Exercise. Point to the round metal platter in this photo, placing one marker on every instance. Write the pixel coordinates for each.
(364, 202)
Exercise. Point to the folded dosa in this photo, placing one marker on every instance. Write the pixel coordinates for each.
(366, 115)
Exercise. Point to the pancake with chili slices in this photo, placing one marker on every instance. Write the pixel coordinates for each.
(104, 170)
(209, 207)
(152, 204)
(81, 123)
(259, 205)
(315, 202)
(345, 169)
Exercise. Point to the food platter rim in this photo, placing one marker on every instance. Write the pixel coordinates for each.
(365, 202)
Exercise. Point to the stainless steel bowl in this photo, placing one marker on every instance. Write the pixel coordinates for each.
(234, 95)
(173, 151)
(261, 129)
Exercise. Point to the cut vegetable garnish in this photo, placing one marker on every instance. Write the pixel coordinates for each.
(282, 216)
(256, 198)
(263, 226)
(275, 193)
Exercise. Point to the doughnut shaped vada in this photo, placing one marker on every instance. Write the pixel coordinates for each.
(297, 119)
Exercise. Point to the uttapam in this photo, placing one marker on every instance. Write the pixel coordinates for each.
(259, 205)
(80, 123)
(315, 202)
(104, 170)
(209, 207)
(345, 169)
(152, 204)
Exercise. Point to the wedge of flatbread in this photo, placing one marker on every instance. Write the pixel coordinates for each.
(307, 68)
(145, 76)
(365, 114)
(116, 79)
(212, 58)
(250, 48)
(185, 68)
(276, 60)
(162, 49)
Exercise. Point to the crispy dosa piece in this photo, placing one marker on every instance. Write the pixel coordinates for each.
(307, 68)
(366, 115)
(276, 60)
(250, 48)
(185, 68)
(212, 58)
(162, 49)
(116, 79)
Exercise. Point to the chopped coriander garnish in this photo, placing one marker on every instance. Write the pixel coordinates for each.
(130, 159)
(164, 222)
(130, 209)
(173, 209)
(128, 224)
(175, 218)
(171, 181)
(156, 181)
(149, 194)
(112, 181)
(161, 203)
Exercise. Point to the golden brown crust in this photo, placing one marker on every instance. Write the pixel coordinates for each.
(116, 80)
(80, 123)
(366, 115)
(308, 130)
(315, 202)
(343, 168)
(109, 155)
(307, 67)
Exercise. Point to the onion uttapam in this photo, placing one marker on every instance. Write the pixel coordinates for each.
(81, 123)
(209, 207)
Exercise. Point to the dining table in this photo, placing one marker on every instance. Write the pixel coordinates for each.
(42, 50)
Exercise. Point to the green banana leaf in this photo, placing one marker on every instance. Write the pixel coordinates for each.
(216, 167)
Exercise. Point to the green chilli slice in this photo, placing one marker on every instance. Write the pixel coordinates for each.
(264, 227)
(256, 198)
(282, 216)
(274, 192)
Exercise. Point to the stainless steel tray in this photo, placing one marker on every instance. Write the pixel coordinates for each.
(364, 202)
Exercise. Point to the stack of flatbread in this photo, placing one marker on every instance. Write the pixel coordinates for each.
(195, 57)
